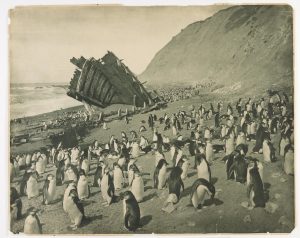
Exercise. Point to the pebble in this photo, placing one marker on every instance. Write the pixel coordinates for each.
(275, 175)
(271, 207)
(277, 196)
(191, 223)
(285, 222)
(283, 180)
(220, 211)
(245, 204)
(247, 219)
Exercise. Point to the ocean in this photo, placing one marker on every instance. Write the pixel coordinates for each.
(37, 98)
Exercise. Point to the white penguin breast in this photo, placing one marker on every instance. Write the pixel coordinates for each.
(52, 187)
(124, 207)
(202, 171)
(31, 225)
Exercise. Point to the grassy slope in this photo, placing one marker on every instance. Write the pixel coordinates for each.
(249, 45)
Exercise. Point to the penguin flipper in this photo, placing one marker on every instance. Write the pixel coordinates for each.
(249, 188)
(45, 190)
(78, 204)
(39, 224)
(126, 223)
(89, 191)
(155, 179)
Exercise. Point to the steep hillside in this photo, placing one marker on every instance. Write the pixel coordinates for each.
(245, 46)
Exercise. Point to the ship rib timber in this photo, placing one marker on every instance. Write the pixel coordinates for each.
(106, 81)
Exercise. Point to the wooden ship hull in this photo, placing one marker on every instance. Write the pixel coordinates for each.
(108, 81)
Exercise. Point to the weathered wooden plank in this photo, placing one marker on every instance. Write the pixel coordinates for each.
(103, 81)
(89, 80)
(107, 94)
(96, 83)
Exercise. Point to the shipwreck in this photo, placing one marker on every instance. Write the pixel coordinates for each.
(106, 81)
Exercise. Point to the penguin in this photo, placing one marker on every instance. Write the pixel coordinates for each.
(201, 121)
(85, 165)
(131, 211)
(83, 188)
(200, 189)
(174, 130)
(229, 142)
(32, 224)
(22, 162)
(28, 160)
(32, 187)
(274, 125)
(261, 134)
(132, 168)
(178, 157)
(107, 187)
(173, 152)
(135, 150)
(229, 160)
(60, 172)
(74, 209)
(70, 186)
(166, 143)
(12, 172)
(203, 168)
(239, 169)
(192, 144)
(242, 149)
(241, 138)
(260, 167)
(72, 173)
(160, 174)
(255, 189)
(99, 173)
(23, 183)
(16, 167)
(40, 168)
(49, 189)
(137, 187)
(16, 201)
(158, 156)
(209, 153)
(13, 215)
(207, 134)
(184, 166)
(284, 141)
(288, 164)
(268, 151)
(253, 129)
(44, 159)
(175, 184)
(118, 176)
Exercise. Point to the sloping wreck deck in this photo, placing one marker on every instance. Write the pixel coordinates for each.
(108, 81)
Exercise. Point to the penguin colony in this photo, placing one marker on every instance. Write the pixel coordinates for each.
(117, 168)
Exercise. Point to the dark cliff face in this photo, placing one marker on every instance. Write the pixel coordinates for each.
(247, 46)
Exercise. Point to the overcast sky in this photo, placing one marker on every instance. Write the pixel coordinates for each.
(43, 39)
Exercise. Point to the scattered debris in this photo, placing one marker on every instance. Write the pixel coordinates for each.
(277, 196)
(271, 207)
(285, 222)
(247, 219)
(283, 180)
(245, 204)
(276, 175)
(169, 208)
(220, 211)
(191, 223)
